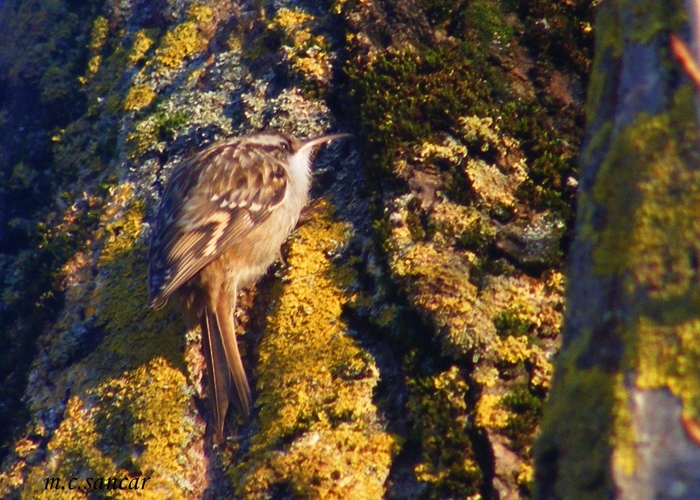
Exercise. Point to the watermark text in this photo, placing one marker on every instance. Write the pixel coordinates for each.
(96, 483)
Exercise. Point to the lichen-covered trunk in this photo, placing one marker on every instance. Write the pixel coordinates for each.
(624, 411)
(404, 348)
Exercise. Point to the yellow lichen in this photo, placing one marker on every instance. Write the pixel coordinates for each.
(526, 474)
(485, 376)
(143, 136)
(648, 188)
(98, 35)
(186, 39)
(512, 350)
(13, 478)
(315, 383)
(667, 356)
(542, 368)
(315, 64)
(531, 301)
(130, 406)
(195, 75)
(290, 20)
(93, 67)
(142, 43)
(177, 44)
(441, 288)
(139, 97)
(302, 48)
(490, 413)
(453, 152)
(494, 187)
(624, 455)
(457, 220)
(139, 420)
(555, 281)
(475, 128)
(117, 301)
(493, 183)
(653, 208)
(200, 13)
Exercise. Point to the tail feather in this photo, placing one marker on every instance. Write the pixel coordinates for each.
(224, 309)
(224, 363)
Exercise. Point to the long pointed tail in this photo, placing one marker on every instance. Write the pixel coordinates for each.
(224, 363)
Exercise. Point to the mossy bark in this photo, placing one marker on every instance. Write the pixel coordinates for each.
(404, 349)
(623, 410)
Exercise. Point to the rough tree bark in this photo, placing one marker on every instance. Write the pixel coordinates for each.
(403, 351)
(622, 419)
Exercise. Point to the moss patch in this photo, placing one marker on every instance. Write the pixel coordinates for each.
(439, 410)
(585, 460)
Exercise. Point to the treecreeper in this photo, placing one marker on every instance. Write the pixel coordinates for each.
(223, 217)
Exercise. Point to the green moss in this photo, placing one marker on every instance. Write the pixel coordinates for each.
(167, 124)
(526, 411)
(406, 96)
(472, 145)
(437, 406)
(608, 33)
(478, 236)
(583, 446)
(382, 231)
(509, 322)
(414, 220)
(487, 18)
(658, 19)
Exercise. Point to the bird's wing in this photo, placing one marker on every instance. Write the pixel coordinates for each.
(212, 200)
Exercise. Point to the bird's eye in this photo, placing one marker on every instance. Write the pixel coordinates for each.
(285, 146)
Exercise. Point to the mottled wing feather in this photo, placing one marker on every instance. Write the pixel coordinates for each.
(213, 200)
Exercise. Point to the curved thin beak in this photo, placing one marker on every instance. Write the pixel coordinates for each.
(313, 143)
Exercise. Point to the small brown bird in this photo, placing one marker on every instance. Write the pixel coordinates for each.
(223, 217)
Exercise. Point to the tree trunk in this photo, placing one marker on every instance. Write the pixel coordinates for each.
(622, 418)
